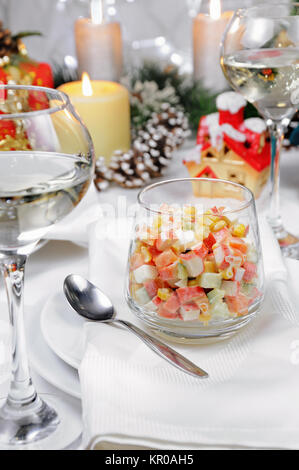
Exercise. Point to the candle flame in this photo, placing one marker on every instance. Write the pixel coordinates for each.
(215, 9)
(86, 85)
(97, 11)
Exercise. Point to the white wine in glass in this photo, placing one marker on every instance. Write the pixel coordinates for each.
(260, 59)
(46, 166)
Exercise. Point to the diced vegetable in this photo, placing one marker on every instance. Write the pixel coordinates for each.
(210, 280)
(194, 267)
(144, 273)
(193, 263)
(190, 312)
(142, 296)
(231, 288)
(215, 295)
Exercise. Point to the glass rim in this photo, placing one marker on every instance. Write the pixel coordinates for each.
(65, 101)
(240, 11)
(243, 206)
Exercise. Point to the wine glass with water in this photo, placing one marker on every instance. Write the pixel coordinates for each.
(46, 166)
(260, 59)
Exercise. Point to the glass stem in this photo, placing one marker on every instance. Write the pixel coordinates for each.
(276, 132)
(22, 393)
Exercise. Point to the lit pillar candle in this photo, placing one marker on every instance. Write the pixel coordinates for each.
(207, 35)
(99, 45)
(104, 108)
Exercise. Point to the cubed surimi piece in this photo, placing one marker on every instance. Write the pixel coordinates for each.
(193, 263)
(142, 297)
(157, 301)
(165, 240)
(210, 241)
(238, 274)
(136, 261)
(189, 312)
(201, 250)
(151, 287)
(163, 312)
(238, 304)
(165, 259)
(221, 235)
(236, 259)
(220, 253)
(210, 280)
(250, 271)
(169, 273)
(231, 288)
(186, 294)
(172, 304)
(151, 307)
(239, 244)
(254, 294)
(145, 273)
(154, 252)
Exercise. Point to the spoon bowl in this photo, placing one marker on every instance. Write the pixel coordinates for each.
(91, 303)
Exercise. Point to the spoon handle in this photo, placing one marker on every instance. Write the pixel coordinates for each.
(165, 351)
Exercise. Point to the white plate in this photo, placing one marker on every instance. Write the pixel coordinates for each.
(46, 363)
(62, 329)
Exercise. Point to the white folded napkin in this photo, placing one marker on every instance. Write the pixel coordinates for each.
(133, 398)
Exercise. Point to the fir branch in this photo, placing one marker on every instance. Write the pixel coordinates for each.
(25, 34)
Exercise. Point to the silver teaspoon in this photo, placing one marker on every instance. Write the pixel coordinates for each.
(91, 303)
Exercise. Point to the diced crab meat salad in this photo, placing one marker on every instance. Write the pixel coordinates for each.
(204, 268)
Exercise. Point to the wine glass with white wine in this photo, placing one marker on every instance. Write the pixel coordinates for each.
(260, 59)
(46, 166)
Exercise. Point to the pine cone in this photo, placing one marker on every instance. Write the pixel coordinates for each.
(153, 147)
(103, 176)
(8, 44)
(151, 152)
(174, 120)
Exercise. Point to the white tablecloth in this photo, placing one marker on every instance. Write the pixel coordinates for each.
(48, 267)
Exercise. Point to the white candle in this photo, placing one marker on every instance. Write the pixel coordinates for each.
(207, 35)
(105, 109)
(99, 45)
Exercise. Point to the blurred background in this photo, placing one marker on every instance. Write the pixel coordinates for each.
(155, 29)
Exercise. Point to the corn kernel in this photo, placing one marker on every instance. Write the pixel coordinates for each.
(193, 283)
(239, 230)
(146, 255)
(218, 226)
(205, 318)
(189, 211)
(228, 222)
(157, 222)
(227, 273)
(164, 294)
(210, 267)
(206, 232)
(209, 220)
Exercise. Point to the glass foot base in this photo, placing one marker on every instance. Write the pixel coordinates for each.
(53, 426)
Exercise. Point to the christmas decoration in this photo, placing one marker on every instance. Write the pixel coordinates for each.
(230, 147)
(159, 84)
(291, 138)
(16, 67)
(150, 154)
